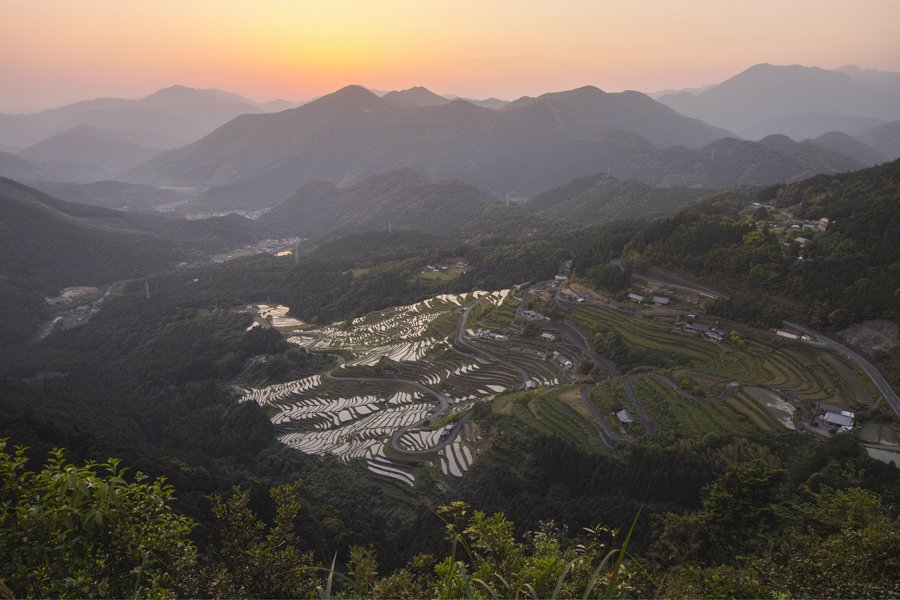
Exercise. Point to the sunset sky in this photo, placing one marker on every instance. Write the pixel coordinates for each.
(58, 51)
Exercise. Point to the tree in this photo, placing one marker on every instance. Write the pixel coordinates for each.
(249, 561)
(87, 531)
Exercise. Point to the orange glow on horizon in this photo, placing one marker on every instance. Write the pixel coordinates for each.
(298, 49)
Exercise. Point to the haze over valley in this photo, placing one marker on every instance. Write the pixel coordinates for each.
(372, 304)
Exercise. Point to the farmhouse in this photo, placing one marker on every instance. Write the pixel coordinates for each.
(661, 300)
(637, 298)
(825, 407)
(714, 335)
(624, 417)
(487, 334)
(548, 337)
(563, 362)
(792, 335)
(838, 419)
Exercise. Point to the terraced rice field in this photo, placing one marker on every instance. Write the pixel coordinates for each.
(672, 412)
(454, 458)
(356, 419)
(276, 314)
(803, 373)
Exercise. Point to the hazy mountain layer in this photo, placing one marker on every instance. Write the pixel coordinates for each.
(401, 200)
(842, 143)
(115, 194)
(809, 125)
(343, 137)
(883, 138)
(170, 117)
(22, 169)
(600, 198)
(764, 92)
(79, 146)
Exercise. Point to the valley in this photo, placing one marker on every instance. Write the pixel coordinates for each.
(411, 376)
(393, 343)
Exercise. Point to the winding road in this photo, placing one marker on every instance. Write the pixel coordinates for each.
(821, 341)
(463, 342)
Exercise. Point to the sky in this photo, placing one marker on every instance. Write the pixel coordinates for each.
(53, 52)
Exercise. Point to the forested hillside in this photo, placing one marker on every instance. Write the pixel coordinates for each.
(842, 275)
(156, 374)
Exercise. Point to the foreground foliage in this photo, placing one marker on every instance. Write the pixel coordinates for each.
(93, 531)
(68, 531)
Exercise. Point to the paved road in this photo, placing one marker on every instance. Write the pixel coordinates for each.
(521, 309)
(821, 341)
(730, 390)
(609, 437)
(674, 281)
(577, 338)
(648, 425)
(462, 341)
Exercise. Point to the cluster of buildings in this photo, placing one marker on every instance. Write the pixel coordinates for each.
(562, 361)
(836, 417)
(487, 334)
(458, 265)
(813, 225)
(657, 300)
(707, 331)
(571, 296)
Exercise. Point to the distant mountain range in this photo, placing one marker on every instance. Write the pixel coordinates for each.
(89, 146)
(171, 117)
(802, 102)
(522, 149)
(116, 195)
(239, 157)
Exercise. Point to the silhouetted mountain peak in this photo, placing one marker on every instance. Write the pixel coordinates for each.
(776, 139)
(175, 94)
(351, 97)
(789, 75)
(351, 92)
(417, 96)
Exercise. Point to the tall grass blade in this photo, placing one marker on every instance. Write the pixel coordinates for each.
(561, 580)
(611, 587)
(325, 594)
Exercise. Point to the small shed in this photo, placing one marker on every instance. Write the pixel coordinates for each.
(624, 416)
(549, 337)
(636, 298)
